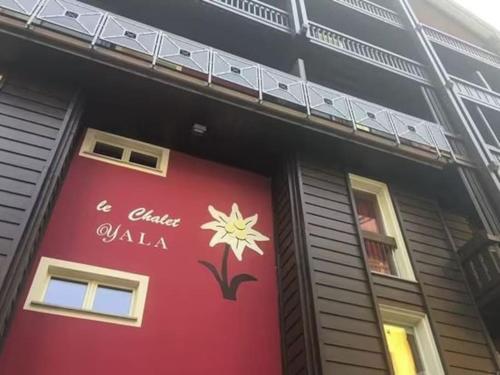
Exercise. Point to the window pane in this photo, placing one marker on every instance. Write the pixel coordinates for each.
(143, 159)
(65, 293)
(112, 301)
(402, 355)
(367, 208)
(380, 257)
(108, 150)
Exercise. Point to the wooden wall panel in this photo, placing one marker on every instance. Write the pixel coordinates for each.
(460, 229)
(350, 335)
(296, 359)
(37, 124)
(451, 307)
(398, 293)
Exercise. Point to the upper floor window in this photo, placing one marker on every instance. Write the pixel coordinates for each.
(384, 244)
(125, 152)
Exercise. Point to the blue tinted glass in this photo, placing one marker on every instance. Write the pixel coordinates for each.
(65, 293)
(112, 301)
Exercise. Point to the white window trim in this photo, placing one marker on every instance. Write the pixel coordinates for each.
(426, 344)
(71, 271)
(390, 222)
(92, 136)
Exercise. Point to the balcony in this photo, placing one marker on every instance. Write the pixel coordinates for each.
(165, 55)
(257, 11)
(373, 10)
(481, 262)
(462, 46)
(366, 52)
(477, 94)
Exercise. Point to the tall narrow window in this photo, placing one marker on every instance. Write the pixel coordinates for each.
(405, 355)
(384, 244)
(379, 247)
(410, 342)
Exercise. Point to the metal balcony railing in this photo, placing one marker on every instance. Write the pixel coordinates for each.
(461, 46)
(367, 52)
(373, 10)
(102, 30)
(257, 11)
(476, 93)
(481, 261)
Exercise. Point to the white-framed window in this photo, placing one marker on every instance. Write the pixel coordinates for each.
(384, 243)
(410, 341)
(88, 292)
(125, 152)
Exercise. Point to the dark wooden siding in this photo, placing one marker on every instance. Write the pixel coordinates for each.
(298, 342)
(36, 120)
(350, 335)
(459, 330)
(398, 293)
(460, 229)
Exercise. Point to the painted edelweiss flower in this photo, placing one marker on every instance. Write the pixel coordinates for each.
(235, 231)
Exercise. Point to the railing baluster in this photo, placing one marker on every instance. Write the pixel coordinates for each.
(367, 51)
(462, 46)
(477, 93)
(374, 10)
(257, 10)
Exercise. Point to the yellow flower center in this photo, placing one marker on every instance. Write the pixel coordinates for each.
(237, 229)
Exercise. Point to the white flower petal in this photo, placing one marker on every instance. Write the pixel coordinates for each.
(217, 238)
(251, 221)
(256, 236)
(235, 213)
(238, 250)
(213, 225)
(233, 243)
(252, 245)
(217, 215)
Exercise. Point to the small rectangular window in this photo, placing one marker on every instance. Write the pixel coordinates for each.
(87, 292)
(125, 152)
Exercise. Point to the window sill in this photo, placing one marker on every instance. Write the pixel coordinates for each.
(413, 281)
(82, 313)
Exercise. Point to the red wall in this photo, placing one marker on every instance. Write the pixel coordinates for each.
(188, 328)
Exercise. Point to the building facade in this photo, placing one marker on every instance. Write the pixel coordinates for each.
(251, 187)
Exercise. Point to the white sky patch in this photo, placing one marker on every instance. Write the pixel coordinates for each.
(488, 10)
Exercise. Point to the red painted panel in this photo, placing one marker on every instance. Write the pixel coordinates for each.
(188, 327)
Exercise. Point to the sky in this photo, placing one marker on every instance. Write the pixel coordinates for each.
(488, 10)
